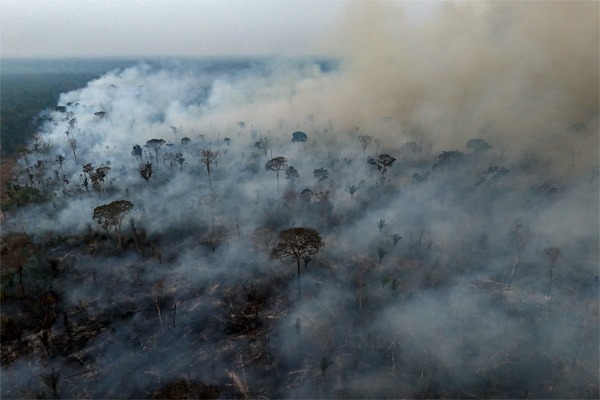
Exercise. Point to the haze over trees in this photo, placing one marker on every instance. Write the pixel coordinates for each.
(448, 271)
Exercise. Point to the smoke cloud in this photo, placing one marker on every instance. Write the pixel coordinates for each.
(439, 276)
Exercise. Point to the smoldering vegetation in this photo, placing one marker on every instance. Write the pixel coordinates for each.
(459, 216)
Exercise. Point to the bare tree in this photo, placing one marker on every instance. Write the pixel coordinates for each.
(207, 156)
(520, 236)
(73, 146)
(297, 243)
(276, 164)
(552, 254)
(365, 141)
(263, 143)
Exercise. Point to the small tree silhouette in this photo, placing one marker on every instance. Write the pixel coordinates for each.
(155, 144)
(479, 145)
(381, 252)
(291, 174)
(395, 238)
(381, 224)
(383, 162)
(60, 160)
(137, 152)
(324, 364)
(180, 159)
(352, 189)
(263, 143)
(365, 141)
(321, 174)
(146, 171)
(51, 379)
(299, 137)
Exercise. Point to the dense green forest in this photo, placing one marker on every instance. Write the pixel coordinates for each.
(30, 86)
(24, 96)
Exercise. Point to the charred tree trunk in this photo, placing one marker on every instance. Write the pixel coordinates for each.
(299, 290)
(514, 269)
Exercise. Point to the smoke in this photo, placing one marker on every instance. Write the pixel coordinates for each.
(520, 76)
(409, 297)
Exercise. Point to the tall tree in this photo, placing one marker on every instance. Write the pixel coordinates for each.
(276, 164)
(552, 254)
(73, 146)
(110, 216)
(155, 144)
(60, 160)
(207, 156)
(297, 243)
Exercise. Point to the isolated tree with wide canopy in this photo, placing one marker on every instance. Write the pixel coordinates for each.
(297, 243)
(276, 164)
(110, 216)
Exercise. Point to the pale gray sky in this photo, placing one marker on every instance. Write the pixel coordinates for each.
(62, 28)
